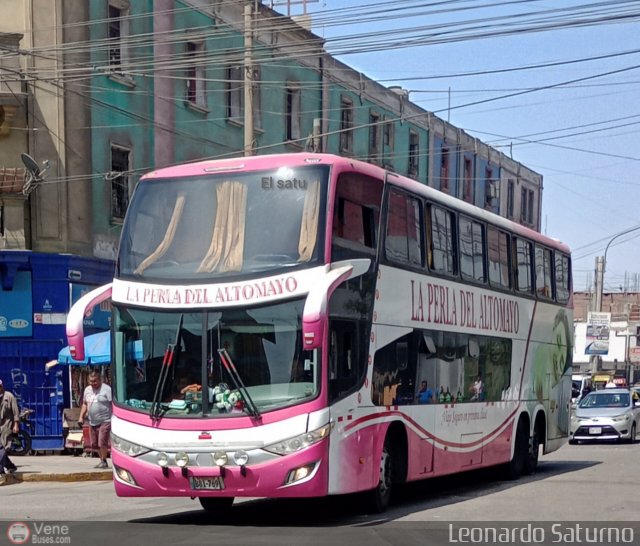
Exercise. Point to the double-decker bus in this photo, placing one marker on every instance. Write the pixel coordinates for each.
(303, 325)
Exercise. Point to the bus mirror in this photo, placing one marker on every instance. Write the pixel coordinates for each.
(75, 319)
(312, 334)
(315, 308)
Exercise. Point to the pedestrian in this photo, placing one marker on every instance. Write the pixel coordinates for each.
(9, 423)
(96, 405)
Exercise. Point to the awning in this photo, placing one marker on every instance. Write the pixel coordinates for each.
(97, 351)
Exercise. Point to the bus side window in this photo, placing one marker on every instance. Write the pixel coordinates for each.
(543, 272)
(345, 366)
(522, 265)
(442, 241)
(356, 215)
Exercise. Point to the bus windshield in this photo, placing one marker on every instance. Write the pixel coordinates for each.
(159, 365)
(224, 224)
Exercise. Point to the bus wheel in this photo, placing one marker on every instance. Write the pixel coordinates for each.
(380, 497)
(531, 461)
(216, 504)
(515, 467)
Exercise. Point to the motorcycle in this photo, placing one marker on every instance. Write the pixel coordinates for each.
(20, 442)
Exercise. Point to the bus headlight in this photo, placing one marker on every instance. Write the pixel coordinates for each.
(302, 441)
(241, 458)
(220, 458)
(182, 459)
(126, 447)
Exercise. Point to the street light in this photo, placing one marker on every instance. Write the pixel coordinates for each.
(601, 267)
(600, 270)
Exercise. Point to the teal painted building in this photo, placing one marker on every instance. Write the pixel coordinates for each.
(174, 81)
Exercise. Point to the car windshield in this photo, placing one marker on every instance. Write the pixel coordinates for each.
(160, 369)
(605, 400)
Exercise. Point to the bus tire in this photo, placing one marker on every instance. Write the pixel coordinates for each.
(515, 467)
(216, 504)
(533, 452)
(380, 497)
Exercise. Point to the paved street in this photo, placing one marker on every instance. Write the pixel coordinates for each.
(576, 483)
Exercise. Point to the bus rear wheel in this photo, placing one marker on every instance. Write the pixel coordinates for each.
(216, 504)
(516, 466)
(380, 497)
(533, 453)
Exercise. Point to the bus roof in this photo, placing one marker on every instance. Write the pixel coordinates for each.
(260, 162)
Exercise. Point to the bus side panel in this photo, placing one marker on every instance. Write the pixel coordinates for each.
(355, 448)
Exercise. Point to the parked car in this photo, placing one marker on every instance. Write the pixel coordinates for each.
(606, 414)
(580, 386)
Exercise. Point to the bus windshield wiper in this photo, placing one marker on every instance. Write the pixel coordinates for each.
(156, 409)
(237, 381)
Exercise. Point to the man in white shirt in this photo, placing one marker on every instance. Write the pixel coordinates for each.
(96, 404)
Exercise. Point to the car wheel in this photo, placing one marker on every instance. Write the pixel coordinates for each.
(632, 436)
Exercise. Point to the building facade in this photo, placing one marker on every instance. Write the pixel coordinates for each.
(99, 92)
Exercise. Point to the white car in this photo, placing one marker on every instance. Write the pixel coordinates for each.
(606, 414)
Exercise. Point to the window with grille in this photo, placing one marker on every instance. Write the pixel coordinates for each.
(444, 169)
(119, 177)
(292, 112)
(235, 94)
(374, 136)
(346, 125)
(414, 154)
(195, 75)
(467, 181)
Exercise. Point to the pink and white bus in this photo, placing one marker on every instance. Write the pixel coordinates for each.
(303, 325)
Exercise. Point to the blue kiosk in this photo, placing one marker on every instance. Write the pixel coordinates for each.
(37, 292)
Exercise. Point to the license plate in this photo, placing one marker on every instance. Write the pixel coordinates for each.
(214, 483)
(595, 430)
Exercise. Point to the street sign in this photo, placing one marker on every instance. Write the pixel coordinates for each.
(598, 330)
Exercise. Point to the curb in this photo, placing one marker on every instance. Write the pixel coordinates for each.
(106, 475)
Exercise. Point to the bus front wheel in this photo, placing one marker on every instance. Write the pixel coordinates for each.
(216, 504)
(380, 497)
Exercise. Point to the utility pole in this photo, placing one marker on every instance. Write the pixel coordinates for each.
(599, 283)
(248, 79)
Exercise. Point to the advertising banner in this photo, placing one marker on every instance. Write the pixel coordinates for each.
(15, 307)
(598, 330)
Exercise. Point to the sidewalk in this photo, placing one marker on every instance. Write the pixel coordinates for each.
(58, 468)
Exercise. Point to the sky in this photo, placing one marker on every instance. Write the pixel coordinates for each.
(553, 83)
